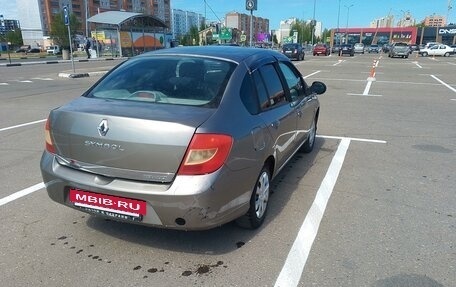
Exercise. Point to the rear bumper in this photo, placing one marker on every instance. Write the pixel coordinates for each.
(188, 203)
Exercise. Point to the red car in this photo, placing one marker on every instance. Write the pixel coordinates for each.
(321, 49)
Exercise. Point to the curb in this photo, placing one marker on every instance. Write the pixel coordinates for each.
(81, 75)
(58, 61)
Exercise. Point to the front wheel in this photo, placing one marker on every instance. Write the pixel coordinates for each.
(258, 202)
(308, 146)
(424, 54)
(446, 54)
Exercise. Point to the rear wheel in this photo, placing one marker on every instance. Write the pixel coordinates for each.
(446, 54)
(424, 54)
(258, 202)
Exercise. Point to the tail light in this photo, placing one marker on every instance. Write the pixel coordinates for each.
(206, 154)
(47, 135)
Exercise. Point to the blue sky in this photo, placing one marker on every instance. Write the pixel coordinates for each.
(361, 13)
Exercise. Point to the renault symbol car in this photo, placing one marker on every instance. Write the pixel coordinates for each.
(183, 138)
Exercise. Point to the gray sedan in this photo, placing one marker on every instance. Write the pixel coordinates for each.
(182, 138)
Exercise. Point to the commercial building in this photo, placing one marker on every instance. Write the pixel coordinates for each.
(35, 16)
(380, 36)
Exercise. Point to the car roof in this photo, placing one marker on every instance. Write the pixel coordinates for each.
(230, 53)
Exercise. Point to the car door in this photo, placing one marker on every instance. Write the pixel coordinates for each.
(276, 111)
(302, 103)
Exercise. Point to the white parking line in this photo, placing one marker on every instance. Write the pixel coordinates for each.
(21, 193)
(22, 125)
(297, 257)
(299, 252)
(418, 65)
(443, 83)
(310, 75)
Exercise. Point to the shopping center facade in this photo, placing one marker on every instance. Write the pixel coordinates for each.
(381, 36)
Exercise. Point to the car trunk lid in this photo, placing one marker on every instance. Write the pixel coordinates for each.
(132, 140)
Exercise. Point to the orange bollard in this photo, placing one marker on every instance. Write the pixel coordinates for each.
(372, 73)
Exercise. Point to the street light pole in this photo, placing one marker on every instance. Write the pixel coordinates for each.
(346, 27)
(338, 18)
(313, 22)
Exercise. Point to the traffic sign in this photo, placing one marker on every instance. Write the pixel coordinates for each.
(243, 38)
(225, 34)
(251, 5)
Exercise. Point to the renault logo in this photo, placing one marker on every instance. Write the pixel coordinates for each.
(103, 127)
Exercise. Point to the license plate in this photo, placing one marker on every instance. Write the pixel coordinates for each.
(108, 205)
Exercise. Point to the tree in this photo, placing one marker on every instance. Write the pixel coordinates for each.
(274, 39)
(59, 31)
(14, 37)
(304, 31)
(194, 35)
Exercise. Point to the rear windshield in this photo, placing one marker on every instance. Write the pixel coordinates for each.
(167, 80)
(401, 44)
(290, 46)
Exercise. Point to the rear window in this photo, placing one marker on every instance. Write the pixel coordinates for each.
(401, 45)
(167, 80)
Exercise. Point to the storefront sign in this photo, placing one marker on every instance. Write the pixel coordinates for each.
(444, 31)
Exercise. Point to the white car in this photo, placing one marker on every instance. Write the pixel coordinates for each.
(437, 50)
(54, 50)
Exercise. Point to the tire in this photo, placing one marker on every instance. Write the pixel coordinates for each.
(446, 54)
(424, 54)
(308, 146)
(258, 202)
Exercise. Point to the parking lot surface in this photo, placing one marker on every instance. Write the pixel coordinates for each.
(373, 205)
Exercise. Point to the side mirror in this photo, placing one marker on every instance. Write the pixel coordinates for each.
(318, 87)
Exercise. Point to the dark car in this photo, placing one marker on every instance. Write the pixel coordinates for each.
(321, 49)
(374, 48)
(346, 49)
(34, 50)
(293, 51)
(386, 48)
(335, 49)
(23, 49)
(183, 138)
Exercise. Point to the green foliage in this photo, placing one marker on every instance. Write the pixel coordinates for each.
(14, 37)
(304, 31)
(191, 38)
(59, 31)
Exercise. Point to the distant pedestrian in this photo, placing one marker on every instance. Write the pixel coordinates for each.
(87, 47)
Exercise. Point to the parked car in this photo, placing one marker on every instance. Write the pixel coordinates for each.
(454, 47)
(335, 49)
(155, 142)
(374, 48)
(23, 49)
(358, 48)
(437, 50)
(414, 47)
(346, 49)
(293, 51)
(321, 49)
(386, 48)
(399, 49)
(54, 50)
(34, 50)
